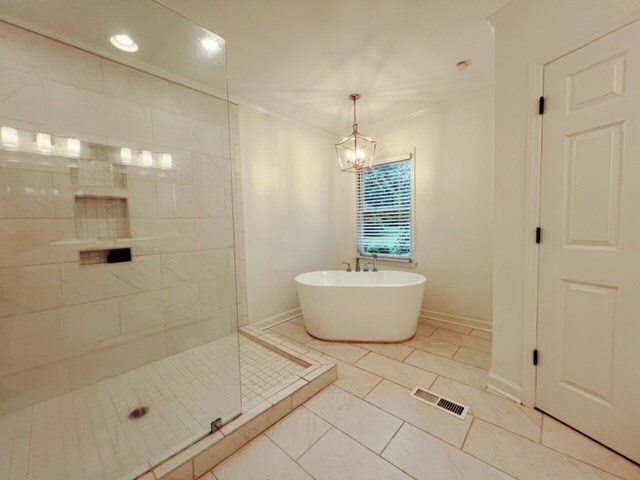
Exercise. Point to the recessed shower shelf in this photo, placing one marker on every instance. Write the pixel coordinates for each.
(101, 218)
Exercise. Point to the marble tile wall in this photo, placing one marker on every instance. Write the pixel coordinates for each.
(64, 325)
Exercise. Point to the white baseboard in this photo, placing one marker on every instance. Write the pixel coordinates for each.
(502, 386)
(277, 319)
(457, 320)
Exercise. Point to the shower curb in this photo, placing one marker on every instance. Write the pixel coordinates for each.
(199, 458)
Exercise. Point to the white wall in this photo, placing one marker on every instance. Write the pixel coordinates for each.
(299, 212)
(528, 33)
(453, 145)
(288, 174)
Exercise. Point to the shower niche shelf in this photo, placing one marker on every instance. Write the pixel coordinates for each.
(101, 218)
(96, 257)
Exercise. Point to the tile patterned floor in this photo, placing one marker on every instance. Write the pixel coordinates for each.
(365, 426)
(86, 434)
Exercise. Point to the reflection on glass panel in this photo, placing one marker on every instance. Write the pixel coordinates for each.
(118, 321)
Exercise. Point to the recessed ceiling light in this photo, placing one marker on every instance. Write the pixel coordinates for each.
(124, 42)
(211, 44)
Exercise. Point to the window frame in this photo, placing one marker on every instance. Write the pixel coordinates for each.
(403, 157)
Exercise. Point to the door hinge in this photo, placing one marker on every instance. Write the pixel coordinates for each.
(216, 425)
(538, 235)
(541, 106)
(535, 357)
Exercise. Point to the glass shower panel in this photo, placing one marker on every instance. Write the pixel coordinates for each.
(118, 311)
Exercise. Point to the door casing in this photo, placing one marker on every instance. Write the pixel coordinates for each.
(532, 218)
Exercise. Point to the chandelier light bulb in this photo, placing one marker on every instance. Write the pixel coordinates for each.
(355, 152)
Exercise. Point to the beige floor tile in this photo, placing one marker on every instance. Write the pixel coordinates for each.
(298, 321)
(364, 422)
(338, 457)
(425, 457)
(260, 460)
(448, 326)
(396, 400)
(481, 334)
(493, 408)
(355, 380)
(342, 351)
(425, 330)
(522, 458)
(398, 372)
(474, 376)
(290, 330)
(397, 351)
(476, 343)
(208, 476)
(473, 357)
(433, 345)
(296, 432)
(565, 439)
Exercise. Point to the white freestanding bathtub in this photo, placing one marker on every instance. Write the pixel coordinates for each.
(361, 306)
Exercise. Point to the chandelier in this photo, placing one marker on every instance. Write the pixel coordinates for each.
(355, 152)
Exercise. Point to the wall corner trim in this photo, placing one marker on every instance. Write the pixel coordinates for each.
(457, 320)
(277, 319)
(504, 387)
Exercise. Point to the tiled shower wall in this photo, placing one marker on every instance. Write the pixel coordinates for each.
(64, 325)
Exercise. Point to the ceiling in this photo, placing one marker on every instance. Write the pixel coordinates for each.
(302, 58)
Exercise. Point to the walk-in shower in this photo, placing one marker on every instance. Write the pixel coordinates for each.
(118, 310)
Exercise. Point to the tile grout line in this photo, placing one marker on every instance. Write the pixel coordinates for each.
(461, 448)
(473, 419)
(424, 370)
(541, 445)
(429, 387)
(480, 459)
(392, 437)
(379, 455)
(397, 417)
(388, 460)
(310, 446)
(580, 460)
(370, 390)
(285, 453)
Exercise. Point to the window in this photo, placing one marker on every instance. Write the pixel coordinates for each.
(384, 202)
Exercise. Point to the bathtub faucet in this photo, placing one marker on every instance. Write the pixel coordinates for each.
(357, 264)
(375, 261)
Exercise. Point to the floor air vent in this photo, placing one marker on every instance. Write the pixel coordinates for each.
(440, 402)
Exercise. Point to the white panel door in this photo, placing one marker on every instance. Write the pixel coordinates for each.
(589, 291)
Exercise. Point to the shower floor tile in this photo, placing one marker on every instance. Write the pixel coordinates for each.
(86, 434)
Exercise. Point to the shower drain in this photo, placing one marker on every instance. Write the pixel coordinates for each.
(138, 413)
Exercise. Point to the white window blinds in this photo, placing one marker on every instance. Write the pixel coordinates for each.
(384, 210)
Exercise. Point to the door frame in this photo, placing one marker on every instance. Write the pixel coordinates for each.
(532, 221)
(533, 148)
